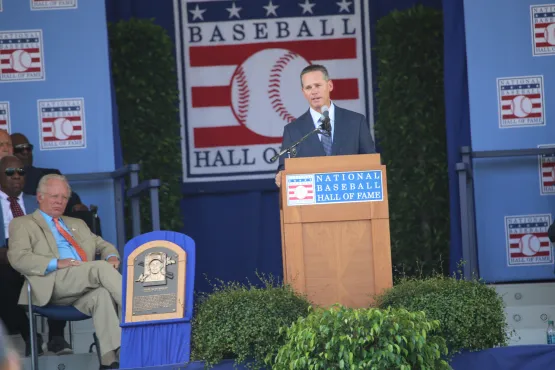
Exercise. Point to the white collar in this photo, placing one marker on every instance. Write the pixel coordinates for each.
(316, 116)
(5, 196)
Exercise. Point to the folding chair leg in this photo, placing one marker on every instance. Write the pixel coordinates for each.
(70, 334)
(33, 334)
(97, 345)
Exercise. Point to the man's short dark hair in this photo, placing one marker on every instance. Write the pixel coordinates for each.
(315, 68)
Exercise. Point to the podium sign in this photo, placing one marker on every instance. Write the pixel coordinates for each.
(335, 228)
(334, 187)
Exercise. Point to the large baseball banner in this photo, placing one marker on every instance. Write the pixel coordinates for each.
(240, 63)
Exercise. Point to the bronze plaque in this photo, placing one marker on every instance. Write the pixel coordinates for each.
(156, 282)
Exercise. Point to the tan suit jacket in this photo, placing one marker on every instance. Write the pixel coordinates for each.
(32, 246)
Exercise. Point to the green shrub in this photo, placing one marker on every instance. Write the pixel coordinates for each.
(145, 79)
(471, 313)
(242, 321)
(345, 338)
(410, 132)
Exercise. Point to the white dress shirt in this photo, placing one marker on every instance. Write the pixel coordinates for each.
(316, 116)
(7, 211)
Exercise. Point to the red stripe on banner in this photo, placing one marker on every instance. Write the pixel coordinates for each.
(211, 96)
(52, 119)
(49, 129)
(548, 183)
(541, 25)
(75, 137)
(511, 97)
(28, 70)
(211, 137)
(549, 165)
(518, 236)
(29, 50)
(345, 89)
(522, 255)
(230, 55)
(531, 115)
(220, 96)
(544, 45)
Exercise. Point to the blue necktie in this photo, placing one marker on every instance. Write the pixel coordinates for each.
(326, 142)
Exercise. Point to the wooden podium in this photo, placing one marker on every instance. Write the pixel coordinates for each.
(335, 229)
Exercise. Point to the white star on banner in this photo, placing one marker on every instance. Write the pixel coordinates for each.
(344, 5)
(271, 9)
(233, 11)
(307, 6)
(197, 13)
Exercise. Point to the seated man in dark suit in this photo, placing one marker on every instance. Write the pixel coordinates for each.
(350, 131)
(13, 203)
(24, 151)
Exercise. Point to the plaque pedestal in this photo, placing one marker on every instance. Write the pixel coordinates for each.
(158, 286)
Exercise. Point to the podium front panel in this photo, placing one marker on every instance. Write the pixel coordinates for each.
(336, 248)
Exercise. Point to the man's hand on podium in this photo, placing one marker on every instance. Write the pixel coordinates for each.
(278, 179)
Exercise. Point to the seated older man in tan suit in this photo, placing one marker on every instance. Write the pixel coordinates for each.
(57, 254)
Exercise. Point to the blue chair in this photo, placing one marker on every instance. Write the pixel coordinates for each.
(64, 313)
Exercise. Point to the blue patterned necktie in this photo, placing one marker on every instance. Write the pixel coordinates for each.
(326, 141)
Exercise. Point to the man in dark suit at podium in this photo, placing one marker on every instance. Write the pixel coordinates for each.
(350, 132)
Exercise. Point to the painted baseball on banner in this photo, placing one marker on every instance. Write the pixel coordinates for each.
(21, 56)
(5, 116)
(240, 66)
(277, 100)
(543, 29)
(546, 171)
(62, 123)
(521, 101)
(527, 240)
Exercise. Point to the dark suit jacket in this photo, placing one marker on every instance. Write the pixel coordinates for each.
(32, 177)
(351, 136)
(31, 206)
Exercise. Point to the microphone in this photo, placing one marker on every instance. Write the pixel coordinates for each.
(326, 112)
(326, 124)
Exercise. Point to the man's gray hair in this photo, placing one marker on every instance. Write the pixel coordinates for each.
(41, 188)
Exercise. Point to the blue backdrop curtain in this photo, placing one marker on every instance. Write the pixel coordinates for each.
(457, 111)
(237, 232)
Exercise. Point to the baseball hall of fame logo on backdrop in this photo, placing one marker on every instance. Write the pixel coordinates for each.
(53, 4)
(521, 101)
(543, 29)
(5, 116)
(241, 64)
(62, 124)
(546, 171)
(21, 56)
(527, 240)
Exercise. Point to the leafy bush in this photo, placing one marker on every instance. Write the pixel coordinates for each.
(143, 67)
(410, 132)
(242, 321)
(345, 338)
(471, 313)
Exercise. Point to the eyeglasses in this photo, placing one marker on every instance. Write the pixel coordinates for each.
(11, 171)
(20, 148)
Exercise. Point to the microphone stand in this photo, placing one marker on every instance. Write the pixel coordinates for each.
(325, 127)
